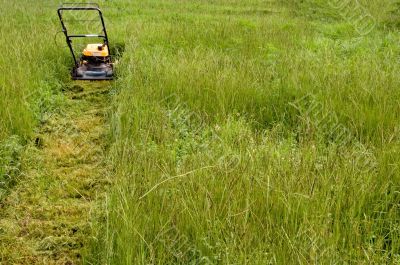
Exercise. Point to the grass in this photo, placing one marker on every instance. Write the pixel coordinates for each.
(45, 218)
(224, 139)
(32, 74)
(216, 164)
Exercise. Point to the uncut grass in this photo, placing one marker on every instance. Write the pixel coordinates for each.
(27, 38)
(32, 73)
(214, 166)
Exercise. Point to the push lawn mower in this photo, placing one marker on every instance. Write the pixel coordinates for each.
(95, 60)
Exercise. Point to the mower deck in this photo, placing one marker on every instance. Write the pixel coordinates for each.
(103, 71)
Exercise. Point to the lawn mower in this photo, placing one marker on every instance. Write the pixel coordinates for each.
(94, 62)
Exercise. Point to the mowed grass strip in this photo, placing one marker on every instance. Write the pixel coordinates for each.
(46, 217)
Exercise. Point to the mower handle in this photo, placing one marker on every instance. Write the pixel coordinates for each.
(87, 36)
(64, 29)
(81, 4)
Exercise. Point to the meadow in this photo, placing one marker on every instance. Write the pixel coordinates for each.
(240, 132)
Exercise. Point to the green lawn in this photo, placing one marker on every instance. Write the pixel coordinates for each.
(241, 132)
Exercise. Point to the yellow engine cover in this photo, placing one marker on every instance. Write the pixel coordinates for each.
(96, 49)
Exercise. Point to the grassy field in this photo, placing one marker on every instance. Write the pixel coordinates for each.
(241, 132)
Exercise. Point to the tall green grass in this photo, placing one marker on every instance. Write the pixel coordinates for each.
(31, 76)
(216, 163)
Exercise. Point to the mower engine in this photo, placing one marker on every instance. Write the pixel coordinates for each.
(95, 63)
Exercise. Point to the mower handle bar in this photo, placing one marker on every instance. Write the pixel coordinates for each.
(79, 4)
(87, 36)
(78, 8)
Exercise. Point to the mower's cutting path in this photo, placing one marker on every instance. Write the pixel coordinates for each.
(47, 218)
